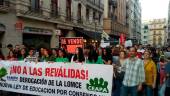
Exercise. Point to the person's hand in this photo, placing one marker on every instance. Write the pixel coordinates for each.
(153, 86)
(140, 87)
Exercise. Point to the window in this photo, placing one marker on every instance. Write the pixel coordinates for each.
(159, 40)
(154, 26)
(159, 33)
(1, 2)
(145, 27)
(154, 33)
(87, 14)
(35, 5)
(79, 13)
(100, 18)
(94, 16)
(145, 37)
(54, 7)
(68, 9)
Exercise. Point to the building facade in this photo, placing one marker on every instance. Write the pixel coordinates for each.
(134, 20)
(115, 19)
(168, 40)
(41, 22)
(145, 33)
(157, 34)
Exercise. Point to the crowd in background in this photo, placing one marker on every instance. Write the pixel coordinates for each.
(138, 70)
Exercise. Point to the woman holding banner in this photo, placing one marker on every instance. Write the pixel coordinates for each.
(100, 59)
(54, 55)
(107, 56)
(90, 55)
(62, 57)
(11, 56)
(78, 57)
(46, 56)
(22, 55)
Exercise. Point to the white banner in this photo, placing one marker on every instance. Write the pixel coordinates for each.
(56, 79)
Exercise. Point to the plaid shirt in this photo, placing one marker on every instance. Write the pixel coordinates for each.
(134, 72)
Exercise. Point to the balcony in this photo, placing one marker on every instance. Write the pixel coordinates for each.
(24, 9)
(55, 13)
(113, 3)
(115, 28)
(80, 20)
(4, 6)
(96, 5)
(119, 28)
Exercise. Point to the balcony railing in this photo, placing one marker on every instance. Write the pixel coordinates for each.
(24, 8)
(4, 6)
(80, 20)
(97, 4)
(52, 14)
(119, 28)
(113, 3)
(56, 13)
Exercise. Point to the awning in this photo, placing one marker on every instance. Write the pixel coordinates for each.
(90, 34)
(37, 31)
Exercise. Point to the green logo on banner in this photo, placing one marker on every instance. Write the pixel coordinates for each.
(97, 85)
(3, 73)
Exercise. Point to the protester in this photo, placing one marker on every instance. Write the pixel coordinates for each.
(62, 57)
(54, 55)
(167, 71)
(86, 51)
(41, 54)
(78, 57)
(10, 47)
(16, 50)
(150, 74)
(46, 56)
(107, 56)
(140, 51)
(162, 69)
(11, 56)
(31, 57)
(99, 59)
(118, 74)
(115, 54)
(92, 56)
(134, 74)
(22, 55)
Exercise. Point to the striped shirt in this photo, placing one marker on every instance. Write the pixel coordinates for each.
(134, 72)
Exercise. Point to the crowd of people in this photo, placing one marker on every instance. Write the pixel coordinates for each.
(138, 70)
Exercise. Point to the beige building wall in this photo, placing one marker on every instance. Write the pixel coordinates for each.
(157, 32)
(116, 24)
(120, 11)
(106, 9)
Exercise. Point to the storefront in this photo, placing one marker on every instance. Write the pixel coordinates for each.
(89, 36)
(37, 37)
